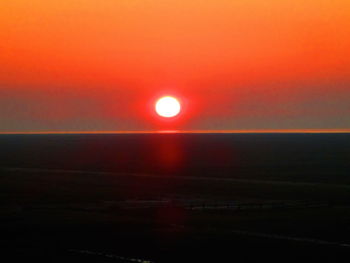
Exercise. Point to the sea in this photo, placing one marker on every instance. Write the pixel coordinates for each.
(299, 157)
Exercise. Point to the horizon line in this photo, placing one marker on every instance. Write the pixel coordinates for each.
(310, 131)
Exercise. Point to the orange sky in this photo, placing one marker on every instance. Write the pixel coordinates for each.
(98, 65)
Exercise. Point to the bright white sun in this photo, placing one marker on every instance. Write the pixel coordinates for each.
(168, 107)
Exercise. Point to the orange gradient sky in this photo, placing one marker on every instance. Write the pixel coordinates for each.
(87, 65)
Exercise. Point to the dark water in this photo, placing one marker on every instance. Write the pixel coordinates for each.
(295, 157)
(64, 216)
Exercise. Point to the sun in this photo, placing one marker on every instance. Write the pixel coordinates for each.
(167, 107)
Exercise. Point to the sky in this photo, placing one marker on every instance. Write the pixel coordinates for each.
(91, 65)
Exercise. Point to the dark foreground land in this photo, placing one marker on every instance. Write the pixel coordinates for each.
(175, 198)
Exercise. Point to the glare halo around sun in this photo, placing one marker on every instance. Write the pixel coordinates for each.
(167, 107)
